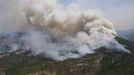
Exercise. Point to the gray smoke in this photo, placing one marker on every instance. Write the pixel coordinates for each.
(112, 10)
(58, 32)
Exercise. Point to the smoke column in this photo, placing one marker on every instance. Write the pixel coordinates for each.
(60, 32)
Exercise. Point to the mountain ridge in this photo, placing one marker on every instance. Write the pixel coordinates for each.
(100, 63)
(127, 34)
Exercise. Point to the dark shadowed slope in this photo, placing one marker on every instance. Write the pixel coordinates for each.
(100, 63)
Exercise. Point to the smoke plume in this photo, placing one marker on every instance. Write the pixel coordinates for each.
(56, 31)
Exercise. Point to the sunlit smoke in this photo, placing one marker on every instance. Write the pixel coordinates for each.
(60, 32)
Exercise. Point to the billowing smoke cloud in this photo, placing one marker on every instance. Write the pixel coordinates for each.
(60, 32)
(112, 10)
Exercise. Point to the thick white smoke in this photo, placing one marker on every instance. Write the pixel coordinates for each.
(60, 32)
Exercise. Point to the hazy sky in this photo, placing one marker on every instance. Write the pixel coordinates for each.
(120, 12)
